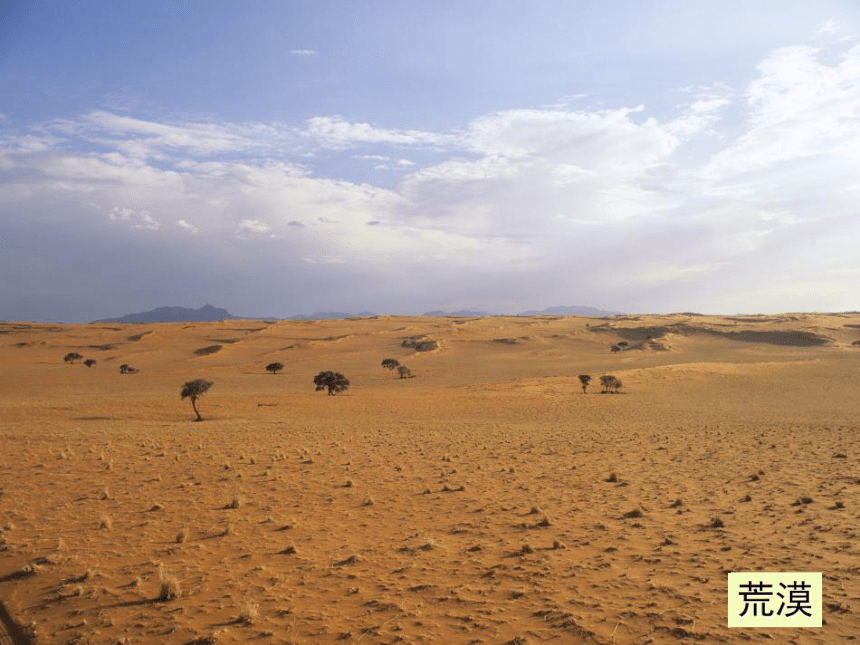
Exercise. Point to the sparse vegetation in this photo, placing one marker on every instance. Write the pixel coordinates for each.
(71, 357)
(274, 368)
(390, 363)
(90, 362)
(584, 380)
(249, 614)
(170, 588)
(194, 390)
(334, 382)
(210, 349)
(610, 384)
(125, 368)
(404, 371)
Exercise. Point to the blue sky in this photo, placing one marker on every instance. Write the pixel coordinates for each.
(289, 157)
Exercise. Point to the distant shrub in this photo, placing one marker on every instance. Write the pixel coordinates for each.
(90, 362)
(334, 382)
(584, 380)
(211, 349)
(404, 371)
(274, 368)
(610, 384)
(390, 363)
(125, 368)
(71, 357)
(419, 345)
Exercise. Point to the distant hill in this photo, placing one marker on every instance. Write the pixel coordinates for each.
(571, 311)
(330, 315)
(459, 312)
(174, 314)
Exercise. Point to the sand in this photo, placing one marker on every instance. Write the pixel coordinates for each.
(469, 504)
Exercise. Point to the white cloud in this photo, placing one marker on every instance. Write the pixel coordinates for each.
(141, 139)
(338, 133)
(146, 222)
(188, 227)
(253, 226)
(303, 52)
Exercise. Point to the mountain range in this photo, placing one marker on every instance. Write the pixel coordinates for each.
(208, 313)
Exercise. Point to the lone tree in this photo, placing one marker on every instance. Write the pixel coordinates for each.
(584, 379)
(404, 371)
(334, 382)
(90, 362)
(390, 363)
(195, 389)
(125, 368)
(71, 357)
(274, 368)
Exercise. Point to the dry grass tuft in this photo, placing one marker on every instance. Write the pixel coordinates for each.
(250, 613)
(368, 501)
(182, 536)
(105, 494)
(677, 503)
(237, 502)
(105, 522)
(170, 588)
(230, 529)
(716, 523)
(632, 514)
(613, 478)
(289, 550)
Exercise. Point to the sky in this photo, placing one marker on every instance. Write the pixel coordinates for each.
(289, 157)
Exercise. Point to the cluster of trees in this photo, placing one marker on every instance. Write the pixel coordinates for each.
(394, 364)
(609, 383)
(71, 357)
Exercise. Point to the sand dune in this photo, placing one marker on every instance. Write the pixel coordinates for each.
(474, 503)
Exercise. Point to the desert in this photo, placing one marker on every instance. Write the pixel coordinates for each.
(486, 499)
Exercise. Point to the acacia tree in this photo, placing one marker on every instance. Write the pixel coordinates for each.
(194, 390)
(390, 363)
(274, 368)
(334, 382)
(606, 383)
(71, 357)
(584, 379)
(610, 385)
(404, 371)
(90, 362)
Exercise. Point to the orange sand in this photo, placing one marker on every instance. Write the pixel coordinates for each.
(100, 472)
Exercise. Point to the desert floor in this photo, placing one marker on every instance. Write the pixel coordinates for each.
(469, 504)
